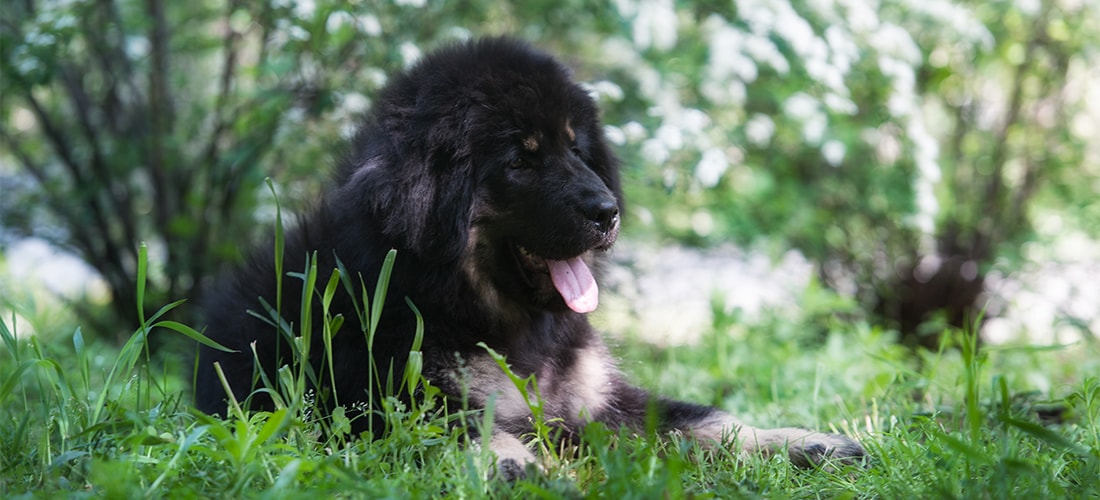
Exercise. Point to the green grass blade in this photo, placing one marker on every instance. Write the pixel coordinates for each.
(192, 334)
(309, 284)
(418, 335)
(82, 359)
(280, 244)
(123, 365)
(64, 458)
(182, 448)
(1046, 435)
(380, 289)
(164, 310)
(274, 318)
(275, 422)
(962, 447)
(414, 366)
(14, 378)
(10, 342)
(142, 268)
(349, 287)
(331, 328)
(330, 289)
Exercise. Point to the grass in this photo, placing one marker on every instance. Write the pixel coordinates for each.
(78, 419)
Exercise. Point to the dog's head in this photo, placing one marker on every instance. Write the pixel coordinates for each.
(487, 155)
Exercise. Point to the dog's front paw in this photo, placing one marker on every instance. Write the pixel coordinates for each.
(513, 458)
(818, 448)
(509, 469)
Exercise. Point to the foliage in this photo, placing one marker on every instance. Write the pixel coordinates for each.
(110, 110)
(903, 146)
(887, 141)
(156, 121)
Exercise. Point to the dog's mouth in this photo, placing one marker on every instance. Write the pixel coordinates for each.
(571, 278)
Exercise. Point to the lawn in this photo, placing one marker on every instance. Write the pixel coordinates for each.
(83, 419)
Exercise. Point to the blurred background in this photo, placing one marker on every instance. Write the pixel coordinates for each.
(927, 167)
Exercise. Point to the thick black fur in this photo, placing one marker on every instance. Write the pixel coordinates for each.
(480, 149)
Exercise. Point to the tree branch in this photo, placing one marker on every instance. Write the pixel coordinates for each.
(63, 149)
(217, 180)
(97, 255)
(994, 190)
(160, 114)
(115, 64)
(115, 190)
(221, 102)
(1034, 165)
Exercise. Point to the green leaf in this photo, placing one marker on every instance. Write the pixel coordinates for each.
(65, 458)
(275, 422)
(1046, 435)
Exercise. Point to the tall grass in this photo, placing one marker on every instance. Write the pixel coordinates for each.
(991, 422)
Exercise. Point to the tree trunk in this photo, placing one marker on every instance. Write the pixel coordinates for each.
(937, 292)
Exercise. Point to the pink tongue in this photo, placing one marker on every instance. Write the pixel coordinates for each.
(575, 284)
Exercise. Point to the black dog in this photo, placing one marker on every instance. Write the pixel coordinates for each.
(485, 166)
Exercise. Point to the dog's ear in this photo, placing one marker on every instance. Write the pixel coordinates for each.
(446, 211)
(417, 189)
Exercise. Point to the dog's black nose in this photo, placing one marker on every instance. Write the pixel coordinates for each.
(603, 211)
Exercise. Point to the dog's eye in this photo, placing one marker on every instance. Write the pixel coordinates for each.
(517, 164)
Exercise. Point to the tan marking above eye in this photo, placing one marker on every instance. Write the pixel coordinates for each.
(569, 132)
(531, 144)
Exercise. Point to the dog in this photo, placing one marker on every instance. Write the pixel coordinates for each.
(485, 166)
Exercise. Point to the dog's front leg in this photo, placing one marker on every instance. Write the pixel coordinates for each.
(513, 458)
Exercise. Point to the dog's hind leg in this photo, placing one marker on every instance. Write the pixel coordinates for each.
(805, 448)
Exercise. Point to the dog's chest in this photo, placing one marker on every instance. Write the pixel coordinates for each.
(574, 387)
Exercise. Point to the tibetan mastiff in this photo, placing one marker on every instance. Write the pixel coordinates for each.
(486, 167)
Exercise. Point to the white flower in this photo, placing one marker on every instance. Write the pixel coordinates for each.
(862, 17)
(702, 222)
(296, 32)
(655, 25)
(610, 90)
(671, 136)
(839, 104)
(1028, 7)
(409, 53)
(894, 40)
(614, 135)
(711, 167)
(694, 121)
(833, 152)
(813, 129)
(304, 9)
(801, 106)
(654, 151)
(759, 130)
(762, 49)
(634, 131)
(355, 103)
(370, 25)
(337, 19)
